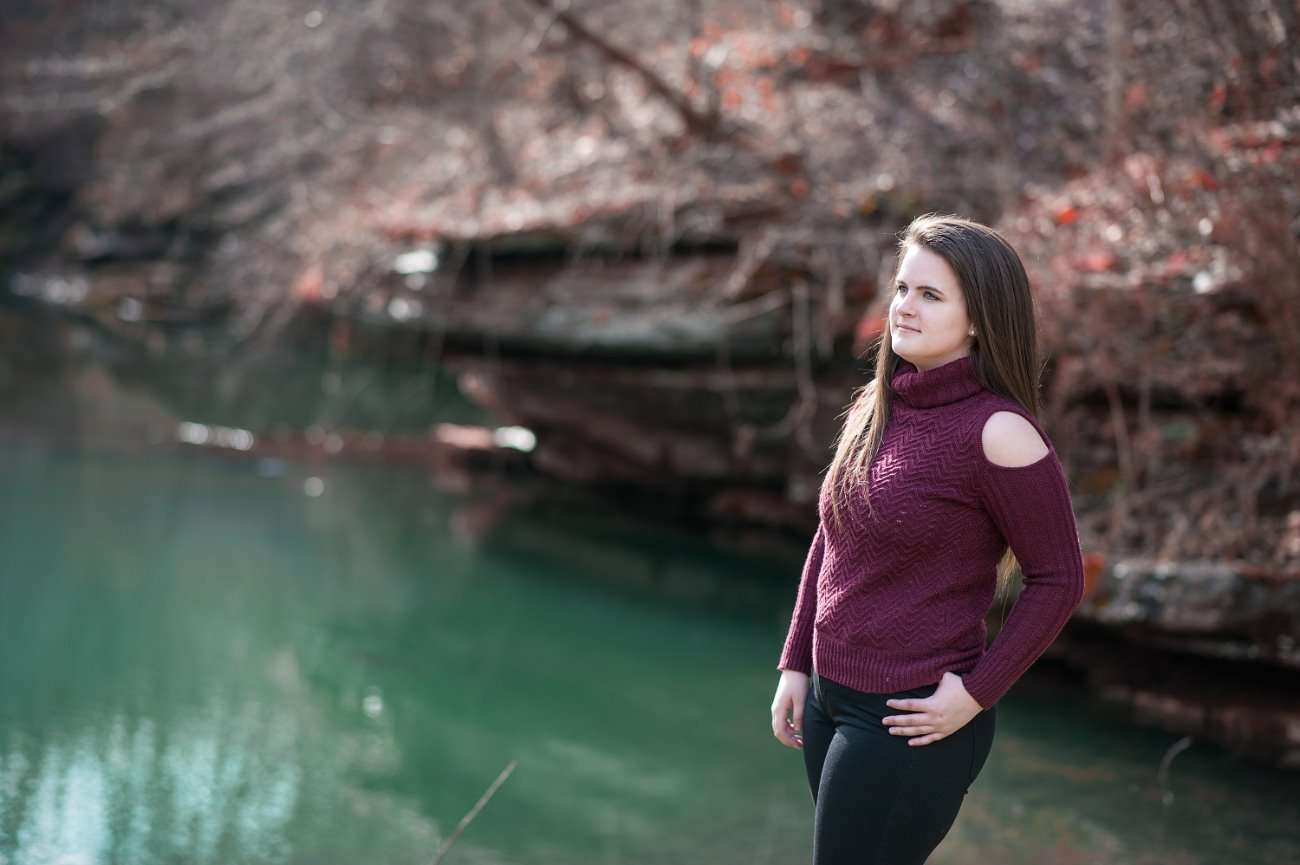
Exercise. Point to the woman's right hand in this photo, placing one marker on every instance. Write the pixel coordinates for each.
(787, 708)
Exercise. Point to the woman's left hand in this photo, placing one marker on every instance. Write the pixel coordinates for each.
(942, 713)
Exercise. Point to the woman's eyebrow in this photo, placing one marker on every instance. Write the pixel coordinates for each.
(931, 287)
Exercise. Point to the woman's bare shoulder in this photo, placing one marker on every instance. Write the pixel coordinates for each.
(1009, 439)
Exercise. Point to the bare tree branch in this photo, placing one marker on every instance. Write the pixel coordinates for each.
(699, 123)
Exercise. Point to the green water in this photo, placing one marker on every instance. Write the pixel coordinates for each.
(203, 664)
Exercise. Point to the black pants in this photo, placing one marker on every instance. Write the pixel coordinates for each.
(879, 800)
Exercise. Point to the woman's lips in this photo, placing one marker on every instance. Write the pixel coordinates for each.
(905, 327)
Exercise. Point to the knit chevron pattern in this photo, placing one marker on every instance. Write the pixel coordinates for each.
(896, 596)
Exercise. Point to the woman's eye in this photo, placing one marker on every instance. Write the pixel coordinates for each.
(898, 289)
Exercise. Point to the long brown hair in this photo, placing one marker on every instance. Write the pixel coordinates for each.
(1004, 351)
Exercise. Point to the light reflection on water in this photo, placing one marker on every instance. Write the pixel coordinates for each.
(204, 663)
(117, 792)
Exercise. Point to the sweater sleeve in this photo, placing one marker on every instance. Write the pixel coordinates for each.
(1031, 506)
(797, 653)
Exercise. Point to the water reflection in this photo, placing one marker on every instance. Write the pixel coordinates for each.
(204, 662)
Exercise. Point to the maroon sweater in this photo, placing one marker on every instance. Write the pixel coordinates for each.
(894, 601)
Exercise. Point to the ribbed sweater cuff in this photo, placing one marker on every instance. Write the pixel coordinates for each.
(797, 656)
(797, 653)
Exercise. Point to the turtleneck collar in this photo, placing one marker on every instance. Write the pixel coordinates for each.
(939, 385)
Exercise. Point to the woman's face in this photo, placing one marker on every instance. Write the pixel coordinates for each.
(928, 324)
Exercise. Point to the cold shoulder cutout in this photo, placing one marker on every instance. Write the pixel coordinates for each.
(1009, 440)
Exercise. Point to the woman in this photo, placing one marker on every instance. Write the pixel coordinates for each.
(942, 481)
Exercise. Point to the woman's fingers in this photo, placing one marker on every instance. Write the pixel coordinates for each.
(782, 728)
(782, 733)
